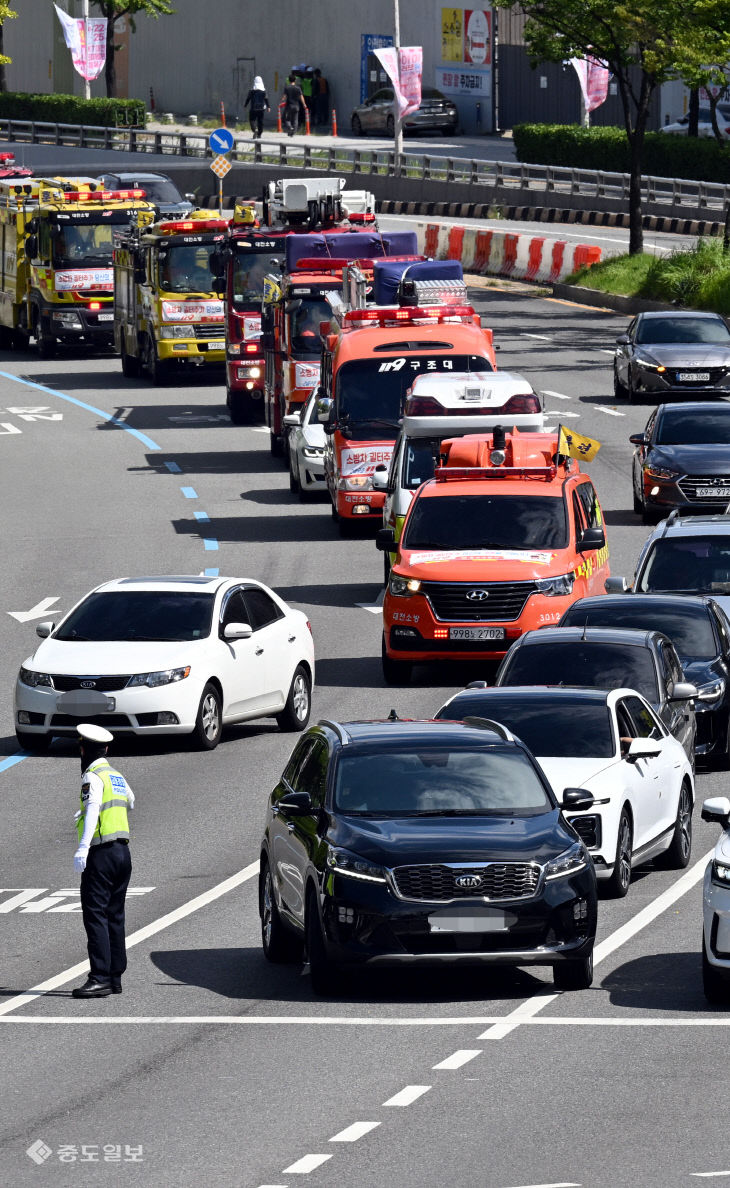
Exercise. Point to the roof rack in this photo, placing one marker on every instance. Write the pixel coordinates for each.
(671, 519)
(488, 724)
(335, 726)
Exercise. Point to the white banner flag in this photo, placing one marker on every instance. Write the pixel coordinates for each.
(404, 68)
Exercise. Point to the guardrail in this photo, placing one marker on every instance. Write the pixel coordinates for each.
(551, 181)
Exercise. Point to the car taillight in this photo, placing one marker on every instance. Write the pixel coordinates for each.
(309, 625)
(423, 406)
(252, 348)
(526, 403)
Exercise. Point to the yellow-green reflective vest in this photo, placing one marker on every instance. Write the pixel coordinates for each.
(113, 821)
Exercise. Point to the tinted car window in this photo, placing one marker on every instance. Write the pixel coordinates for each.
(645, 725)
(439, 780)
(148, 615)
(587, 496)
(419, 462)
(578, 662)
(312, 774)
(567, 728)
(487, 522)
(689, 627)
(682, 427)
(668, 330)
(262, 610)
(694, 565)
(235, 609)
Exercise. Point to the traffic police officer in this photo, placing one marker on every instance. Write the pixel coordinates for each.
(103, 861)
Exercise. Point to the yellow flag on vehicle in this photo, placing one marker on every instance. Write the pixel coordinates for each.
(575, 445)
(272, 291)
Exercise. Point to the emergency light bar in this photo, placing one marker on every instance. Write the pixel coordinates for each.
(100, 195)
(193, 225)
(394, 316)
(361, 216)
(447, 474)
(7, 157)
(418, 292)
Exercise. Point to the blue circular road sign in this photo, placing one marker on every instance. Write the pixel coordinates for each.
(221, 140)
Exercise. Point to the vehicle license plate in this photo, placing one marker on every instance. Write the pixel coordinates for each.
(476, 632)
(701, 377)
(105, 317)
(218, 345)
(469, 922)
(713, 492)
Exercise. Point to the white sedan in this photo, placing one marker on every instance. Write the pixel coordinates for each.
(716, 907)
(168, 655)
(613, 745)
(305, 443)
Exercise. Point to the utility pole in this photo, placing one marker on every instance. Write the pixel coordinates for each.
(85, 15)
(397, 122)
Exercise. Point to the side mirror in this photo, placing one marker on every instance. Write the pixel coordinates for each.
(380, 477)
(385, 540)
(324, 410)
(592, 538)
(717, 809)
(638, 439)
(291, 420)
(237, 631)
(43, 630)
(684, 691)
(190, 197)
(296, 804)
(577, 799)
(623, 340)
(31, 247)
(616, 585)
(293, 305)
(643, 748)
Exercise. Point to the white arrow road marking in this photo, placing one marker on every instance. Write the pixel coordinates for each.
(375, 608)
(42, 413)
(557, 395)
(6, 427)
(542, 337)
(36, 612)
(610, 412)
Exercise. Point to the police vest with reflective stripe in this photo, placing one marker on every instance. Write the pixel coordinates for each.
(113, 821)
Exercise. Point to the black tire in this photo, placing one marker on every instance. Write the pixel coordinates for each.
(680, 848)
(33, 742)
(395, 672)
(157, 371)
(324, 976)
(45, 342)
(722, 759)
(715, 985)
(390, 126)
(618, 885)
(274, 444)
(386, 568)
(619, 389)
(574, 975)
(280, 945)
(638, 503)
(356, 126)
(130, 363)
(632, 395)
(295, 714)
(209, 721)
(294, 484)
(347, 527)
(239, 407)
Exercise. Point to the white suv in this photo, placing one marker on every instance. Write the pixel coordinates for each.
(716, 907)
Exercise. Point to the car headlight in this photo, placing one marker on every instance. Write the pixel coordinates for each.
(403, 587)
(344, 862)
(712, 691)
(28, 677)
(177, 332)
(313, 451)
(555, 586)
(166, 676)
(720, 873)
(356, 482)
(647, 363)
(569, 862)
(660, 472)
(67, 318)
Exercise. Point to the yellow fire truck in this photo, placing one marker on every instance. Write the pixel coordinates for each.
(166, 309)
(56, 280)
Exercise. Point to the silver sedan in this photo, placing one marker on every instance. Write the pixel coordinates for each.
(305, 442)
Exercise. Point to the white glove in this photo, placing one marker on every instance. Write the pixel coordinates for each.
(79, 813)
(80, 859)
(130, 798)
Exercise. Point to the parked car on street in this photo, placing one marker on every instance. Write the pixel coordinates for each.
(437, 113)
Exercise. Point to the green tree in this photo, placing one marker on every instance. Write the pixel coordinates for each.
(645, 43)
(6, 14)
(112, 10)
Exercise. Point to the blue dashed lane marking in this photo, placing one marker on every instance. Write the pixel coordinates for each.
(202, 516)
(173, 467)
(211, 546)
(18, 757)
(212, 573)
(189, 492)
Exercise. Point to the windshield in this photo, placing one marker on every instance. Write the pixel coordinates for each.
(578, 662)
(304, 326)
(487, 522)
(439, 780)
(249, 270)
(185, 268)
(689, 628)
(374, 389)
(160, 190)
(77, 244)
(694, 427)
(148, 615)
(567, 728)
(695, 565)
(682, 330)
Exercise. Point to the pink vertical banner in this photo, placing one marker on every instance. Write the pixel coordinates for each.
(404, 68)
(87, 42)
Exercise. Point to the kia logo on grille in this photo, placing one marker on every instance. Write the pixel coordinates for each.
(477, 595)
(469, 882)
(88, 684)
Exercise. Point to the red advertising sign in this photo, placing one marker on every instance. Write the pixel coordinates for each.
(477, 36)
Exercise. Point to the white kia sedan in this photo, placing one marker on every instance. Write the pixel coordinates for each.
(305, 443)
(168, 655)
(613, 745)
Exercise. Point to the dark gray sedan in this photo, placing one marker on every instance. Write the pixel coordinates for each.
(663, 353)
(158, 188)
(437, 113)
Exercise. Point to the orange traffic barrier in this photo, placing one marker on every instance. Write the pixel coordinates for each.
(278, 118)
(334, 122)
(307, 129)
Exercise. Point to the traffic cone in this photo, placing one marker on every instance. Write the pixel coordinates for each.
(334, 121)
(278, 119)
(307, 129)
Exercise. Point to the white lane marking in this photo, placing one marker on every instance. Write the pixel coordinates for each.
(561, 414)
(352, 1133)
(457, 1059)
(356, 1021)
(142, 934)
(259, 429)
(375, 608)
(524, 1011)
(610, 412)
(41, 413)
(562, 1184)
(604, 351)
(305, 1165)
(7, 427)
(557, 395)
(35, 612)
(542, 337)
(407, 1096)
(709, 1175)
(121, 414)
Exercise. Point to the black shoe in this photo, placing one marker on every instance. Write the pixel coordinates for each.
(116, 987)
(92, 989)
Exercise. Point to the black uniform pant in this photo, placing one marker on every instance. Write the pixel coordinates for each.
(103, 889)
(291, 118)
(256, 119)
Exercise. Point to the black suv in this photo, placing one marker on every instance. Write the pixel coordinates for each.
(400, 843)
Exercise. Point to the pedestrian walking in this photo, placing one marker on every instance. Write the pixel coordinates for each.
(321, 98)
(103, 861)
(294, 105)
(259, 101)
